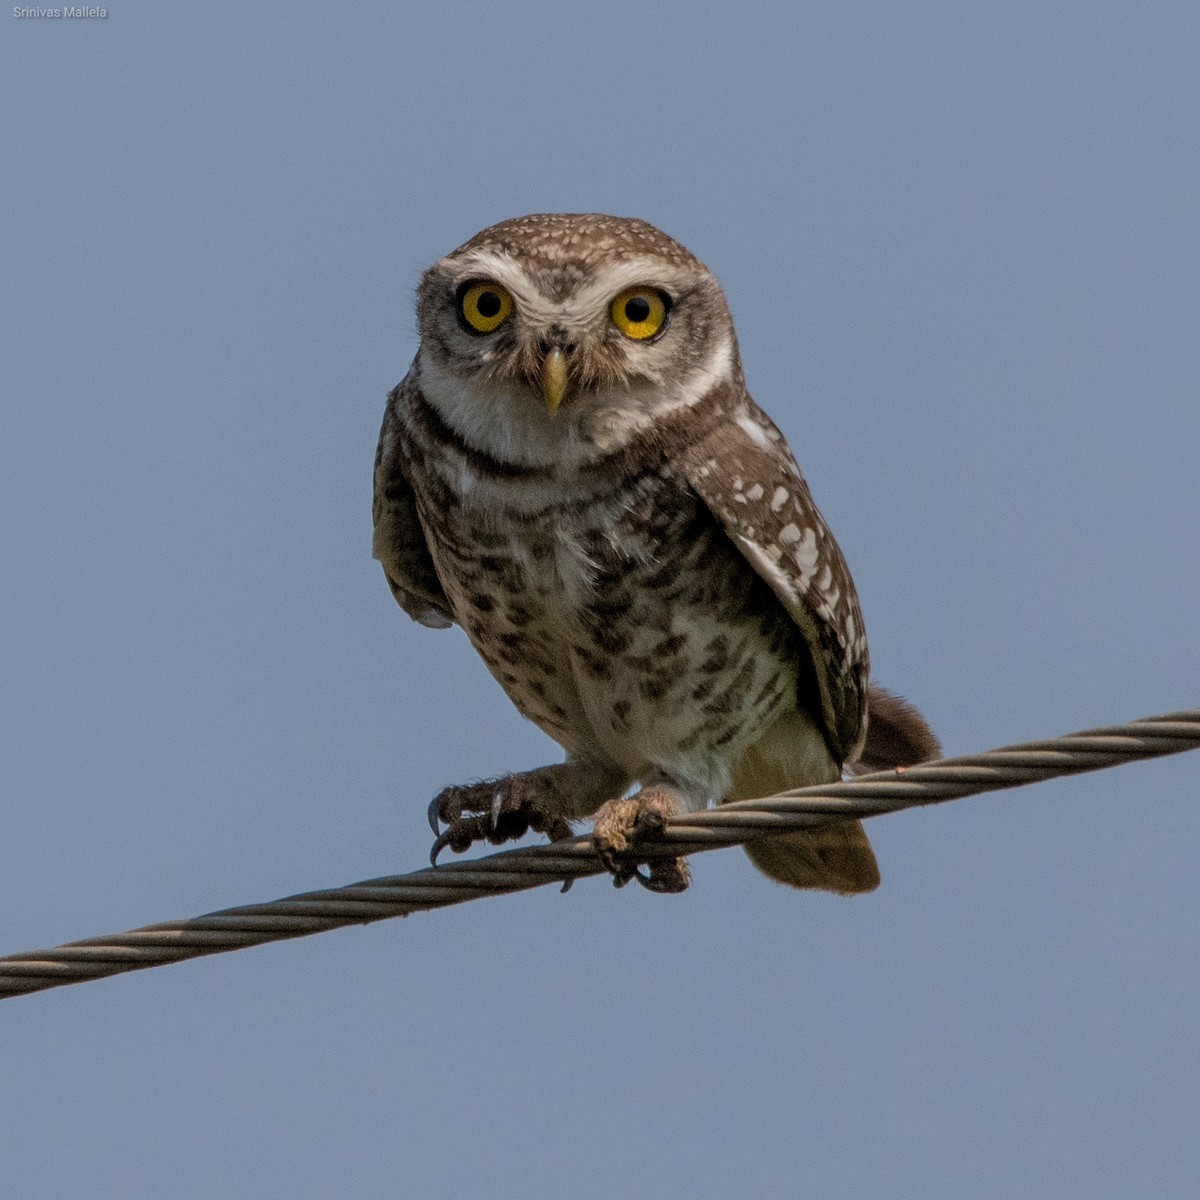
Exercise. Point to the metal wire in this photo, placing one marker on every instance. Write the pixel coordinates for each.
(565, 861)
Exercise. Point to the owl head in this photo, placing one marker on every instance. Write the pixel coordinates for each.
(554, 338)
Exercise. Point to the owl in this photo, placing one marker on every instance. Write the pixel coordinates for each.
(574, 473)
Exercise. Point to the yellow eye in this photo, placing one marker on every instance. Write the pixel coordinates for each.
(484, 306)
(640, 313)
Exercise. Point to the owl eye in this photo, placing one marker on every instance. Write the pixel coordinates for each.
(640, 312)
(484, 306)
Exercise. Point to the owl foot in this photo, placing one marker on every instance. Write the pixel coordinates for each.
(620, 825)
(505, 808)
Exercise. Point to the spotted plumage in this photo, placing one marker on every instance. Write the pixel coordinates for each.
(574, 473)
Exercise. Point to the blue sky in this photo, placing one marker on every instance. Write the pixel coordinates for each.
(960, 245)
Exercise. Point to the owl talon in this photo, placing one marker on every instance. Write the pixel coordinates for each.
(667, 876)
(434, 822)
(622, 825)
(499, 811)
(442, 841)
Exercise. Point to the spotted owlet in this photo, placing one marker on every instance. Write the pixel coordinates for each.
(574, 473)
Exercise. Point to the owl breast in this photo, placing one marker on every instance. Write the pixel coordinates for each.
(622, 622)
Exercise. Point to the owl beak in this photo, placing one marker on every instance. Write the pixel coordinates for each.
(554, 379)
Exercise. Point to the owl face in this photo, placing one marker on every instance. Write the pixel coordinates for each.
(553, 339)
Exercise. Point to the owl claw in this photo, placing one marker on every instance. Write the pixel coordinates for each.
(442, 841)
(495, 812)
(622, 825)
(667, 876)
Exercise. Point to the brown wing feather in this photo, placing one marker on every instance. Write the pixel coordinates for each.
(399, 541)
(746, 475)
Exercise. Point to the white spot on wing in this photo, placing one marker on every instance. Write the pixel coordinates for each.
(764, 564)
(807, 553)
(779, 499)
(758, 434)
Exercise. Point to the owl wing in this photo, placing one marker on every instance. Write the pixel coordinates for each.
(399, 541)
(744, 472)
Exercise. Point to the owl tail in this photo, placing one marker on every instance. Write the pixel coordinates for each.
(897, 735)
(835, 857)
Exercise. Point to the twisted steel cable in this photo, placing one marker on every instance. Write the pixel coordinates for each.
(565, 861)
